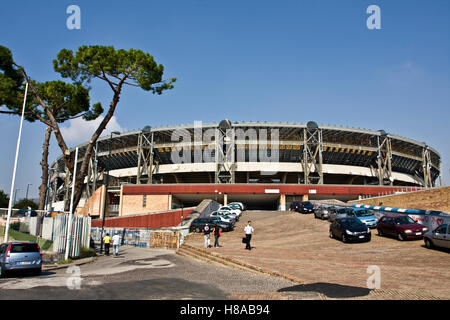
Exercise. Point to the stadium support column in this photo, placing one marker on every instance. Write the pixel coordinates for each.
(384, 159)
(225, 148)
(145, 157)
(426, 165)
(282, 206)
(312, 154)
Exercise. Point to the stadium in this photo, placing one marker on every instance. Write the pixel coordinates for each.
(263, 164)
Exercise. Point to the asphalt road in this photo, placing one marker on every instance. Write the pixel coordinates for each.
(137, 274)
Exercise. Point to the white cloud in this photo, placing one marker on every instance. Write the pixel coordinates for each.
(80, 130)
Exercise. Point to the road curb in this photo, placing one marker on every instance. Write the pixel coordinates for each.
(62, 266)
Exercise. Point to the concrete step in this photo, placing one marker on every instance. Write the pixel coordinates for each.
(208, 257)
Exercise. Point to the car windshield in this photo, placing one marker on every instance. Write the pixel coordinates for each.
(351, 223)
(363, 213)
(404, 220)
(307, 204)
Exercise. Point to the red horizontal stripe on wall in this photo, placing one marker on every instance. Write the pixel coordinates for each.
(257, 189)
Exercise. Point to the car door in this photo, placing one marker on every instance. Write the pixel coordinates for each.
(447, 242)
(440, 236)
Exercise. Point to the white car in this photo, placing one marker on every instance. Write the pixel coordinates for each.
(237, 212)
(223, 216)
(240, 204)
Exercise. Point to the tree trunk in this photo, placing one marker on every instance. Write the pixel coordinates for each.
(44, 165)
(88, 152)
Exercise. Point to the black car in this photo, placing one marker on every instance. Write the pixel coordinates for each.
(198, 224)
(306, 207)
(349, 229)
(295, 206)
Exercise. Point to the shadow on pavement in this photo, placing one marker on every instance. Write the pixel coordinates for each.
(331, 290)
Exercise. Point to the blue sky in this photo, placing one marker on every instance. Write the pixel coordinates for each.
(249, 60)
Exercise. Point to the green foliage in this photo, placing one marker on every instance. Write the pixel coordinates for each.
(11, 79)
(15, 226)
(46, 245)
(64, 261)
(117, 67)
(4, 199)
(68, 100)
(86, 253)
(25, 203)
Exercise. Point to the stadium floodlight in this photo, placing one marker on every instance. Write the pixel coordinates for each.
(382, 133)
(312, 125)
(147, 129)
(225, 124)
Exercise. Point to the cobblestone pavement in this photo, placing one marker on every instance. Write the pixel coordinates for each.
(298, 246)
(140, 273)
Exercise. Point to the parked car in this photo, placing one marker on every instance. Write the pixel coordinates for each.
(400, 226)
(340, 212)
(223, 216)
(198, 224)
(364, 215)
(20, 256)
(237, 212)
(349, 229)
(440, 237)
(240, 204)
(322, 212)
(306, 207)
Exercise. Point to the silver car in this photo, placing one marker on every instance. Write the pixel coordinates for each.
(323, 212)
(20, 256)
(440, 237)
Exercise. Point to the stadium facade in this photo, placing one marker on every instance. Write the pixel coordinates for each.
(261, 163)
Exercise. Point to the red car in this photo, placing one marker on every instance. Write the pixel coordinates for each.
(400, 226)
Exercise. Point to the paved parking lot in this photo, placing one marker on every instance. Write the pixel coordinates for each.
(298, 245)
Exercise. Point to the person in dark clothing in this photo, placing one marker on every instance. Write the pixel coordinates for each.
(217, 234)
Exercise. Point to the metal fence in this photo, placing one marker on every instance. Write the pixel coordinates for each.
(80, 234)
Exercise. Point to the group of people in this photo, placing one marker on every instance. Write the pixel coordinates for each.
(115, 242)
(207, 230)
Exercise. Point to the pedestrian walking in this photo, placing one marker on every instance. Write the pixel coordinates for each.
(107, 242)
(249, 231)
(206, 234)
(116, 242)
(217, 234)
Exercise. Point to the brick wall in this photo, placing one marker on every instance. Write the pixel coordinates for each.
(433, 199)
(134, 204)
(94, 205)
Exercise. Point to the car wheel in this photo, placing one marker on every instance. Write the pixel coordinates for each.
(428, 244)
(344, 238)
(37, 272)
(2, 272)
(380, 233)
(400, 237)
(197, 229)
(331, 234)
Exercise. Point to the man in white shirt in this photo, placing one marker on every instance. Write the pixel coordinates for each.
(116, 242)
(249, 230)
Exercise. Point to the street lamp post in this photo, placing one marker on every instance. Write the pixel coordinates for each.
(106, 189)
(28, 185)
(15, 194)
